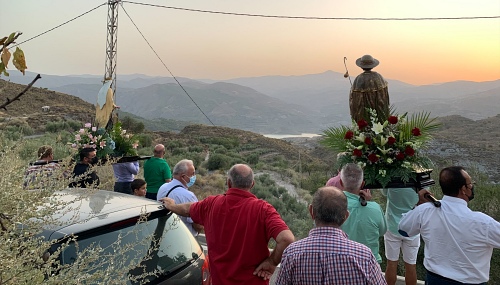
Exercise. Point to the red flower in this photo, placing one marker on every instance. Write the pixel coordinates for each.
(368, 141)
(391, 140)
(416, 131)
(349, 135)
(400, 156)
(357, 153)
(409, 151)
(372, 157)
(393, 119)
(362, 124)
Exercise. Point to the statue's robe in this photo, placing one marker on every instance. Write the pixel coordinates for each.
(369, 90)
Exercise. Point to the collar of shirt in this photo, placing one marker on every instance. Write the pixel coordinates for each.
(240, 193)
(176, 182)
(454, 200)
(327, 231)
(350, 195)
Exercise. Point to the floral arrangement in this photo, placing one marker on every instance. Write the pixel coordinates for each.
(125, 143)
(90, 136)
(114, 144)
(387, 149)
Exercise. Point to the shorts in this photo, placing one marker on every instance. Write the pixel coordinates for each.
(408, 245)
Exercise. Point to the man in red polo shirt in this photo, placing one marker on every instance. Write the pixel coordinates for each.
(238, 227)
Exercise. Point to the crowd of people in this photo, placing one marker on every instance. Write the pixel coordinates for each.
(343, 246)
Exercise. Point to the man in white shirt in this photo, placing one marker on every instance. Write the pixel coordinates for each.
(184, 177)
(458, 241)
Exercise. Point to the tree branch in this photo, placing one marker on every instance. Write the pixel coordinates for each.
(3, 106)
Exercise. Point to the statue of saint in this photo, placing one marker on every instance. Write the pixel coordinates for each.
(369, 90)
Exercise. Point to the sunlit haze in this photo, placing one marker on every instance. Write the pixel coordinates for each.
(214, 46)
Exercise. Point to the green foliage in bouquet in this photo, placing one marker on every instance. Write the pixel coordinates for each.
(386, 151)
(125, 143)
(90, 136)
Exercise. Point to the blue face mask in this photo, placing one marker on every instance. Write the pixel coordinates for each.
(191, 182)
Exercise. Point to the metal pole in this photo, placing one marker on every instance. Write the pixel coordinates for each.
(111, 44)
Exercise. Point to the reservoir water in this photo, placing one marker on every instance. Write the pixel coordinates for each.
(303, 135)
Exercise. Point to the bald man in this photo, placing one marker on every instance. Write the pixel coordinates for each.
(238, 227)
(156, 172)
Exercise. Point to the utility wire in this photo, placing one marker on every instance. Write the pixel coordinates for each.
(312, 17)
(165, 65)
(60, 25)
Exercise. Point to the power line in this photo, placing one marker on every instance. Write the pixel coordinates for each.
(312, 17)
(166, 66)
(60, 25)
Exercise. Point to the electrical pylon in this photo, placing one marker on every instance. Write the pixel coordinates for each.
(111, 44)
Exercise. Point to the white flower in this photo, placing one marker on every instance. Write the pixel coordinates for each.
(88, 125)
(389, 160)
(382, 172)
(94, 129)
(82, 131)
(384, 151)
(383, 141)
(361, 164)
(360, 138)
(378, 128)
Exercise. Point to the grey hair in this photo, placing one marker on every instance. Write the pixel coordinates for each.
(352, 177)
(182, 166)
(329, 206)
(241, 176)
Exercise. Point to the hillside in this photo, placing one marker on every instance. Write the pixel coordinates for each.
(458, 141)
(29, 107)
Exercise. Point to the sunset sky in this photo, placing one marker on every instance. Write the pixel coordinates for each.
(213, 46)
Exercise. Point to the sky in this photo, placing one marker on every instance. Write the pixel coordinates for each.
(214, 46)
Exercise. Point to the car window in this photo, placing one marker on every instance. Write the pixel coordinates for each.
(162, 244)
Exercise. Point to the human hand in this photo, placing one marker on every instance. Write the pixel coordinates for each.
(422, 193)
(265, 269)
(366, 194)
(167, 202)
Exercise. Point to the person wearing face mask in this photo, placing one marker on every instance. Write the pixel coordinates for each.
(459, 242)
(84, 175)
(184, 177)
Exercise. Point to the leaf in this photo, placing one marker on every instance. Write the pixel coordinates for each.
(2, 69)
(334, 138)
(19, 61)
(2, 40)
(10, 39)
(5, 57)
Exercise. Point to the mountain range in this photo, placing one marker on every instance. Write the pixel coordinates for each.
(271, 104)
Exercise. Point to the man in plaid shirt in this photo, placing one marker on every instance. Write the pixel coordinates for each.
(327, 256)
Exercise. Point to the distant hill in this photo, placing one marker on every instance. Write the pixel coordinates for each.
(460, 140)
(225, 104)
(273, 104)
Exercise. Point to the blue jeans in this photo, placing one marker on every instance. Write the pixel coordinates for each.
(435, 279)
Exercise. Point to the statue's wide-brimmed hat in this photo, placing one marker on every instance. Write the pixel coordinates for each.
(366, 62)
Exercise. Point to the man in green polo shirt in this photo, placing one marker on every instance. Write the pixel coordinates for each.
(365, 224)
(156, 172)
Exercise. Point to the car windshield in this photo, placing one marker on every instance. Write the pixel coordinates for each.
(160, 245)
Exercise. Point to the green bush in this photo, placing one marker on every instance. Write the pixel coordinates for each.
(55, 127)
(218, 161)
(145, 140)
(253, 159)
